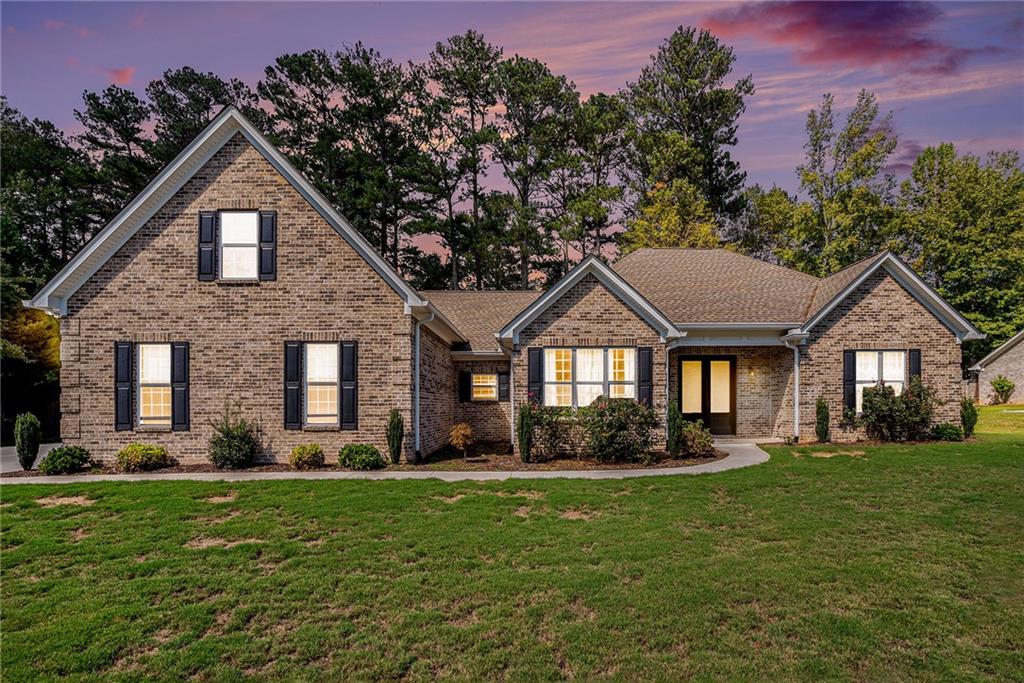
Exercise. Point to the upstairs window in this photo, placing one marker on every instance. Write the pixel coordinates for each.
(239, 245)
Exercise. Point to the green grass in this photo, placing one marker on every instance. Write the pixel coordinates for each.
(903, 562)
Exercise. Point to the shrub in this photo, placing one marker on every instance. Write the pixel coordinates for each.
(675, 430)
(460, 436)
(1002, 389)
(361, 456)
(556, 431)
(142, 457)
(64, 460)
(697, 441)
(968, 416)
(888, 417)
(235, 441)
(307, 456)
(524, 431)
(27, 435)
(947, 431)
(395, 433)
(619, 429)
(821, 420)
(850, 419)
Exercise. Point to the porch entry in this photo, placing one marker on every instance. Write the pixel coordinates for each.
(707, 391)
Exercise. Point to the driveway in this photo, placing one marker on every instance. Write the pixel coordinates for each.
(9, 456)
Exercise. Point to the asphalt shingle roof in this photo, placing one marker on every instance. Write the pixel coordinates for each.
(478, 315)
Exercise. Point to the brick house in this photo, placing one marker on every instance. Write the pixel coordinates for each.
(1006, 360)
(231, 281)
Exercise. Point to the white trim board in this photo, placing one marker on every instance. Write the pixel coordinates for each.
(225, 125)
(591, 265)
(918, 288)
(998, 351)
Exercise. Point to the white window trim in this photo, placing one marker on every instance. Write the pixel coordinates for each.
(306, 384)
(574, 383)
(139, 385)
(881, 371)
(221, 244)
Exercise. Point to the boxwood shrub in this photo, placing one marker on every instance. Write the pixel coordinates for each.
(306, 457)
(65, 460)
(142, 457)
(360, 456)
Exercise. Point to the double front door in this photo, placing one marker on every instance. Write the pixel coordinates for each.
(707, 391)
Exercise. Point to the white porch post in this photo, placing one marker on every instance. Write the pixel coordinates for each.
(796, 392)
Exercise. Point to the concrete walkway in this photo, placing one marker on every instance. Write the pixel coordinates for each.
(741, 454)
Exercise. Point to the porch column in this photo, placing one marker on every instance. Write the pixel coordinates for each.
(796, 392)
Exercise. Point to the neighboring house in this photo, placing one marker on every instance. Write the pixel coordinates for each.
(230, 280)
(1008, 361)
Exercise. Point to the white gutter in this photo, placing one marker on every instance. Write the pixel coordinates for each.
(416, 391)
(793, 341)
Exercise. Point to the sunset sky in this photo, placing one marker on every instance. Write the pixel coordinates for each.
(948, 71)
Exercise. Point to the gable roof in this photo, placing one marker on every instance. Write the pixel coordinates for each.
(715, 286)
(229, 122)
(591, 265)
(911, 281)
(831, 286)
(480, 313)
(999, 351)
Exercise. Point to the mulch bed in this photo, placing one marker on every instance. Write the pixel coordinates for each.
(485, 460)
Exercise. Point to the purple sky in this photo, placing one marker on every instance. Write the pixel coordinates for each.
(949, 71)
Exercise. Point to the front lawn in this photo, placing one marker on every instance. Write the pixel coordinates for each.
(892, 563)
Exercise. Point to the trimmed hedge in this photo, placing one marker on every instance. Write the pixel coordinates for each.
(65, 460)
(361, 456)
(306, 457)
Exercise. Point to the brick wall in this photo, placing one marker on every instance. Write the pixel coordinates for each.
(590, 315)
(880, 314)
(149, 292)
(490, 420)
(1009, 365)
(437, 392)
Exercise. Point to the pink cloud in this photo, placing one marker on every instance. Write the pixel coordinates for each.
(57, 25)
(121, 76)
(857, 34)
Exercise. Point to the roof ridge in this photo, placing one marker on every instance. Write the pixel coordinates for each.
(855, 263)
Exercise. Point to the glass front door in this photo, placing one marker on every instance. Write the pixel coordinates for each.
(707, 391)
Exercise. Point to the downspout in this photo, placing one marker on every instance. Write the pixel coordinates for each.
(512, 397)
(795, 345)
(667, 398)
(416, 389)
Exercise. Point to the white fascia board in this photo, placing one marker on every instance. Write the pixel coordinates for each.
(928, 297)
(607, 277)
(115, 234)
(436, 322)
(480, 355)
(737, 326)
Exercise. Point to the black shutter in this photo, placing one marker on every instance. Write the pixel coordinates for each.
(535, 375)
(914, 358)
(502, 386)
(293, 385)
(349, 385)
(179, 387)
(465, 386)
(850, 379)
(645, 375)
(268, 245)
(207, 245)
(123, 386)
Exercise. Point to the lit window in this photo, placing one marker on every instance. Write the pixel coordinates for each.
(485, 387)
(321, 384)
(155, 384)
(874, 367)
(239, 245)
(576, 377)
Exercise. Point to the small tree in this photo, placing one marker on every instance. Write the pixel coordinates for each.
(968, 416)
(675, 430)
(821, 422)
(395, 434)
(27, 435)
(461, 438)
(1002, 389)
(235, 441)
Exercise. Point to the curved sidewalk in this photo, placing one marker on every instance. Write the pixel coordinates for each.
(741, 454)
